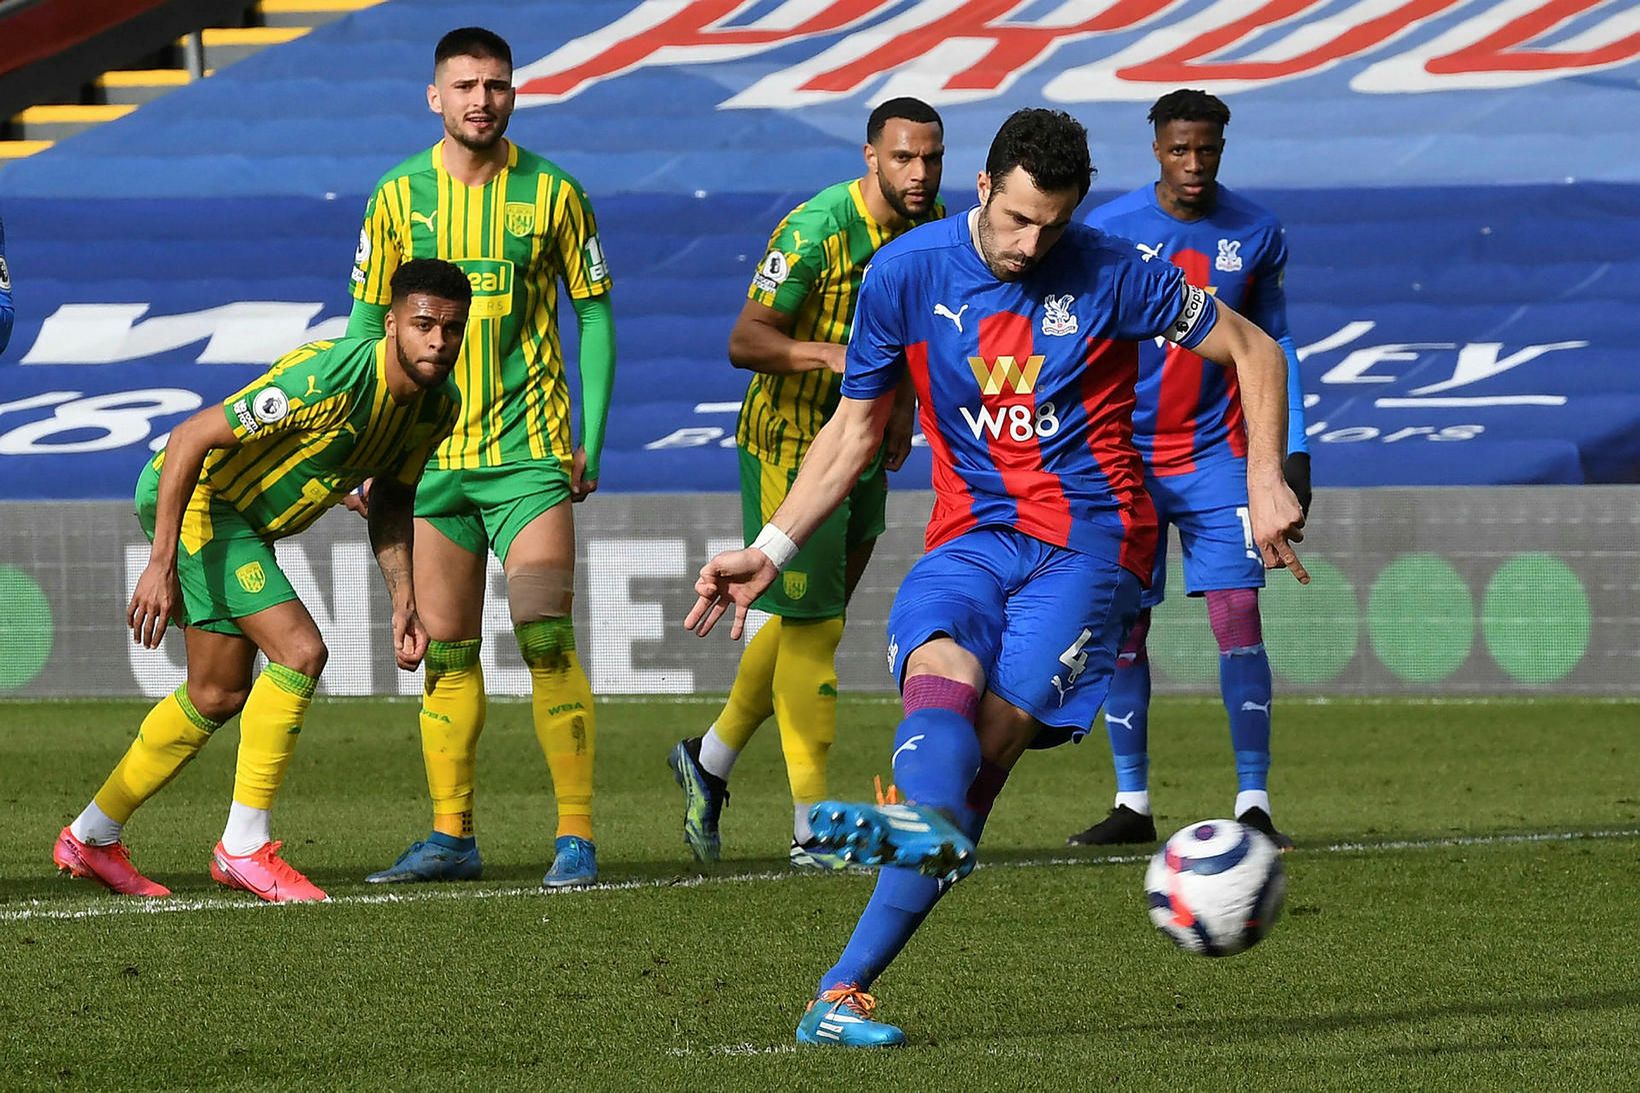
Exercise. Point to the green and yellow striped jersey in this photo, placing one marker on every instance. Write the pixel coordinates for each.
(515, 237)
(812, 272)
(311, 428)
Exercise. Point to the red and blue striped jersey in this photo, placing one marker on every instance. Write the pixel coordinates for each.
(1189, 413)
(1026, 388)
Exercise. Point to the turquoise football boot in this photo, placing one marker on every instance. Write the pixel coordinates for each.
(574, 865)
(427, 861)
(842, 1018)
(910, 836)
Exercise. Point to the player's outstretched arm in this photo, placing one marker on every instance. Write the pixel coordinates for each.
(1261, 373)
(158, 593)
(833, 464)
(392, 525)
(762, 341)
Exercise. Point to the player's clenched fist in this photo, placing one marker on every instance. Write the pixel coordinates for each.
(735, 577)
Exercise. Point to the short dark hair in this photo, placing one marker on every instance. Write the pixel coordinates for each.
(1050, 145)
(1188, 104)
(432, 277)
(472, 42)
(912, 110)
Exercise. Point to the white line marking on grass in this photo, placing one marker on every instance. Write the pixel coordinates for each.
(733, 1049)
(34, 910)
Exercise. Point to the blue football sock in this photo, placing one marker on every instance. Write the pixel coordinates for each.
(898, 905)
(936, 760)
(1127, 720)
(936, 755)
(452, 842)
(1244, 679)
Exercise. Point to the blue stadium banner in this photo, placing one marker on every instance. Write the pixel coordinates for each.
(1458, 181)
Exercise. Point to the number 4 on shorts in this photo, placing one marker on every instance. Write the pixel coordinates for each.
(1074, 658)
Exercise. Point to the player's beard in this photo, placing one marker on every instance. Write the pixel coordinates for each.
(426, 376)
(477, 144)
(988, 251)
(896, 200)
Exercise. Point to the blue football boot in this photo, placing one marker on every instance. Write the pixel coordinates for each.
(841, 1017)
(910, 836)
(574, 865)
(428, 861)
(704, 795)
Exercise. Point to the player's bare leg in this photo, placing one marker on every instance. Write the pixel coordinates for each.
(540, 567)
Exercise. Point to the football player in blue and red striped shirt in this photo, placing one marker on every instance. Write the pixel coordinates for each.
(1018, 329)
(1189, 428)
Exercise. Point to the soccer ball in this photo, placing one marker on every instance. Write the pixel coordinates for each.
(1215, 887)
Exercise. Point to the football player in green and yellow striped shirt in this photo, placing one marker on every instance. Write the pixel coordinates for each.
(791, 335)
(231, 481)
(518, 226)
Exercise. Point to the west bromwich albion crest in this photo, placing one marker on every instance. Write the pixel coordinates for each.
(520, 218)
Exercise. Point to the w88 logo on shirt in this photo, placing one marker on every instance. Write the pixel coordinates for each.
(1018, 422)
(1010, 375)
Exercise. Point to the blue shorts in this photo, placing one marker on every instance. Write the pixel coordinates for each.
(1044, 621)
(1216, 537)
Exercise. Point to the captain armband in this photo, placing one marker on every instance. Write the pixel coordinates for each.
(1193, 310)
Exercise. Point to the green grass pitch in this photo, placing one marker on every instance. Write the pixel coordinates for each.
(1429, 940)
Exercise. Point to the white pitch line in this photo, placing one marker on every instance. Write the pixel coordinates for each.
(36, 910)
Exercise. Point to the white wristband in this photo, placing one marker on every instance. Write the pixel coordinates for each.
(776, 545)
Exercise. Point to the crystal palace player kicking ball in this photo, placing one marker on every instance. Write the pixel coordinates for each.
(1188, 428)
(1019, 329)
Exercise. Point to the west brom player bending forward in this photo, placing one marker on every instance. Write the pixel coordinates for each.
(1188, 426)
(1018, 329)
(232, 479)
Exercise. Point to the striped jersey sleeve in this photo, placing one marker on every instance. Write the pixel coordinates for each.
(379, 252)
(795, 261)
(296, 394)
(575, 235)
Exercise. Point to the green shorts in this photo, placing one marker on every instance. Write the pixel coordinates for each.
(227, 571)
(487, 507)
(815, 584)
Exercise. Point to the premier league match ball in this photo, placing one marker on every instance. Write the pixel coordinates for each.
(1215, 887)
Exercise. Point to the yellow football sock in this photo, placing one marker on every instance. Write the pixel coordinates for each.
(561, 700)
(453, 705)
(268, 727)
(805, 702)
(751, 697)
(170, 736)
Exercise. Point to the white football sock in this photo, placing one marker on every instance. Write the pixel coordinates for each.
(1138, 802)
(801, 831)
(1253, 798)
(717, 757)
(247, 830)
(94, 827)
